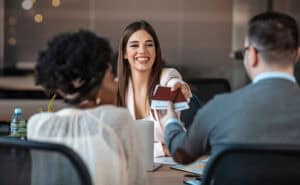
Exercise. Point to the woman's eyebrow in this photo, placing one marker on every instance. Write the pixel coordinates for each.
(149, 41)
(134, 41)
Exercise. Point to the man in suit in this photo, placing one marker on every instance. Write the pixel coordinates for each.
(265, 111)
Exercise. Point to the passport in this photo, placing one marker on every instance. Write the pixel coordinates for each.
(162, 95)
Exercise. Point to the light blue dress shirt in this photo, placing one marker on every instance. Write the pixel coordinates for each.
(268, 75)
(172, 121)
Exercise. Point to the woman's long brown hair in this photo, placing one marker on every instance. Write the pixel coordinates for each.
(124, 67)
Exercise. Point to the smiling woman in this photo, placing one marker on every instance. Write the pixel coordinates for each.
(139, 71)
(140, 51)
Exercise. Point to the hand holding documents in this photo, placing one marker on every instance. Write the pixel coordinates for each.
(162, 95)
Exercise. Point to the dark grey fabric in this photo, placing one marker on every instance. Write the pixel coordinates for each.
(254, 164)
(15, 168)
(265, 112)
(50, 168)
(25, 162)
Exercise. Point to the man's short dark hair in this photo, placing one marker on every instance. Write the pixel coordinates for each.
(275, 36)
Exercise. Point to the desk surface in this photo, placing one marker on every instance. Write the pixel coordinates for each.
(166, 176)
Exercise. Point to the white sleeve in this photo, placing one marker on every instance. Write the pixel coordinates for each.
(169, 77)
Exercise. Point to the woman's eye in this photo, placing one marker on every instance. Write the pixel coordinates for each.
(150, 44)
(134, 46)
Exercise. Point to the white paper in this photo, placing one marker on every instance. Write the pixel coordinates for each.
(163, 105)
(164, 160)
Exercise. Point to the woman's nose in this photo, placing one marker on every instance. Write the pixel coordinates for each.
(141, 49)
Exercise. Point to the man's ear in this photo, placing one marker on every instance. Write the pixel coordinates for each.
(253, 57)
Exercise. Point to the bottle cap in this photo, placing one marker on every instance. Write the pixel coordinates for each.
(18, 111)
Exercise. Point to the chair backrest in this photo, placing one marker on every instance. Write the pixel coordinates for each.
(187, 115)
(29, 163)
(254, 165)
(207, 88)
(4, 128)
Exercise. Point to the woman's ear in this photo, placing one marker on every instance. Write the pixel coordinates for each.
(109, 67)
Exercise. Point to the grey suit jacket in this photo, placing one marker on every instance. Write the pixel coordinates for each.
(265, 112)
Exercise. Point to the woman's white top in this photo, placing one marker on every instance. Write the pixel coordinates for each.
(105, 138)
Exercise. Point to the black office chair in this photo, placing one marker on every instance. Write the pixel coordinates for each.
(4, 128)
(187, 115)
(30, 163)
(254, 165)
(207, 88)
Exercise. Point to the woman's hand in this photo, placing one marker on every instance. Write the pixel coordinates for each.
(185, 89)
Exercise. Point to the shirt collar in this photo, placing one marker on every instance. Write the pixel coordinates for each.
(272, 75)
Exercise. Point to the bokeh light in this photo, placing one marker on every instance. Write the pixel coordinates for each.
(38, 18)
(12, 30)
(12, 41)
(27, 4)
(55, 3)
(12, 21)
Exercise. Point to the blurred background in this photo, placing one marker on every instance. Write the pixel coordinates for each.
(197, 36)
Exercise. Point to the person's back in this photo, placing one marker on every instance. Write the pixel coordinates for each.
(94, 141)
(77, 67)
(266, 111)
(123, 124)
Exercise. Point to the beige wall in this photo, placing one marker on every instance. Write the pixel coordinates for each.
(196, 35)
(243, 10)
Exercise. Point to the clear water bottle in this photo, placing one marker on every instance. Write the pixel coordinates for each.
(18, 124)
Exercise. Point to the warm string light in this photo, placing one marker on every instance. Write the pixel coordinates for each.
(12, 41)
(12, 21)
(27, 4)
(55, 3)
(38, 17)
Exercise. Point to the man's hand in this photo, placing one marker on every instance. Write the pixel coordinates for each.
(170, 114)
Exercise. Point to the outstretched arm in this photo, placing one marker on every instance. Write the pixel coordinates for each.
(184, 146)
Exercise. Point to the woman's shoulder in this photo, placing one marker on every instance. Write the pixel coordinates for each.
(38, 117)
(43, 119)
(111, 109)
(111, 114)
